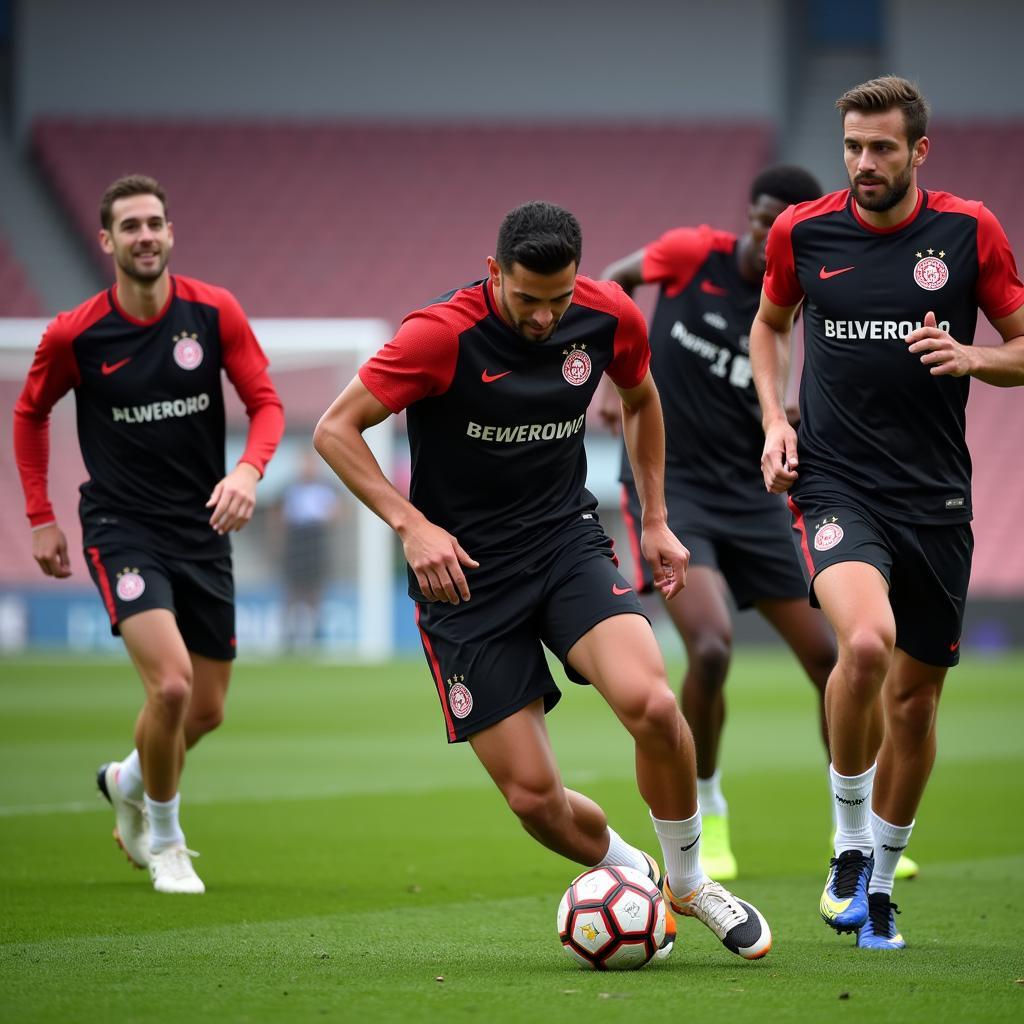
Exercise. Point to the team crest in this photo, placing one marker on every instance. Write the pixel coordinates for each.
(188, 353)
(130, 584)
(460, 700)
(577, 366)
(827, 534)
(931, 272)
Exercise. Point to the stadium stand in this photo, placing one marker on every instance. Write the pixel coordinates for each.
(17, 296)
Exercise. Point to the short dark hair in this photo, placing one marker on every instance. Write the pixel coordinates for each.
(129, 185)
(888, 93)
(787, 183)
(541, 237)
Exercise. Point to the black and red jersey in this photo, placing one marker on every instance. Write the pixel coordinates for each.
(875, 424)
(150, 413)
(700, 361)
(496, 422)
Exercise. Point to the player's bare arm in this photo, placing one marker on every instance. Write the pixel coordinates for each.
(628, 272)
(770, 340)
(50, 550)
(643, 429)
(435, 556)
(1000, 365)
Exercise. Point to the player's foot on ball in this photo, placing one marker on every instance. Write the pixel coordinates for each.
(716, 856)
(131, 831)
(739, 925)
(906, 868)
(879, 930)
(171, 870)
(667, 944)
(844, 901)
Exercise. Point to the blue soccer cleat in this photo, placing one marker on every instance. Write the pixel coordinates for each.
(879, 930)
(844, 902)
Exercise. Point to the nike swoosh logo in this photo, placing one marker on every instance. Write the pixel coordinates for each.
(833, 908)
(826, 274)
(954, 647)
(490, 378)
(691, 846)
(712, 289)
(619, 591)
(108, 369)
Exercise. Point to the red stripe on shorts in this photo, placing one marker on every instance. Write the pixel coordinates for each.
(634, 540)
(435, 669)
(101, 575)
(801, 527)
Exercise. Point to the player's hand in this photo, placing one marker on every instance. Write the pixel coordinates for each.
(939, 351)
(50, 550)
(437, 559)
(667, 557)
(779, 459)
(234, 498)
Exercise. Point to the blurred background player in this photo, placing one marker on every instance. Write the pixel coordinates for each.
(880, 474)
(738, 535)
(308, 508)
(506, 555)
(144, 359)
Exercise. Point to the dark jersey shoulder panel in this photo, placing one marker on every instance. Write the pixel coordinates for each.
(875, 424)
(496, 422)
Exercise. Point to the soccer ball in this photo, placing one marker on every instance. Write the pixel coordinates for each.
(611, 919)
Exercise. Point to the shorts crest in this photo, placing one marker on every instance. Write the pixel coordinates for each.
(827, 534)
(130, 584)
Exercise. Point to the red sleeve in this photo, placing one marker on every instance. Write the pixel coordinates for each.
(675, 257)
(631, 355)
(53, 373)
(999, 290)
(246, 367)
(780, 281)
(417, 363)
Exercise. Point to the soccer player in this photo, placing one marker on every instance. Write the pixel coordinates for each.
(144, 359)
(737, 534)
(506, 554)
(892, 277)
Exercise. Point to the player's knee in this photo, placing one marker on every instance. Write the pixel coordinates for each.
(865, 659)
(912, 715)
(171, 692)
(537, 807)
(710, 655)
(658, 720)
(202, 721)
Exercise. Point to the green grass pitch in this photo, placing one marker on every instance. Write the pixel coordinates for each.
(358, 868)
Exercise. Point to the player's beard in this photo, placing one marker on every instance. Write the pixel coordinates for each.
(891, 196)
(521, 325)
(126, 261)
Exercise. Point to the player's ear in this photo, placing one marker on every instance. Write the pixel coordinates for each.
(170, 235)
(921, 148)
(494, 271)
(106, 242)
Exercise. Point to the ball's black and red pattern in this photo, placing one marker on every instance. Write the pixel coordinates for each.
(611, 918)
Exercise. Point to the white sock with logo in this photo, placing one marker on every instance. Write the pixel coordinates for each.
(164, 829)
(621, 853)
(890, 842)
(851, 798)
(129, 776)
(710, 797)
(680, 846)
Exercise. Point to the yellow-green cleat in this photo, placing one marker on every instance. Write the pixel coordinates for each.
(716, 857)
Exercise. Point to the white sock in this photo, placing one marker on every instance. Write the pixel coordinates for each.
(710, 797)
(620, 852)
(851, 798)
(129, 776)
(164, 829)
(680, 846)
(890, 842)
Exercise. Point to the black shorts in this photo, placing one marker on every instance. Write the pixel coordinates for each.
(927, 567)
(749, 547)
(487, 654)
(200, 592)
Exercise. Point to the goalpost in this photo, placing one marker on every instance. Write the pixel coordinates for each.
(311, 360)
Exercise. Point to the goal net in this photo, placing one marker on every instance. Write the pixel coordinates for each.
(315, 571)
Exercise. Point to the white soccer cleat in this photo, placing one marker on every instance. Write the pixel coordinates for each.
(132, 829)
(739, 925)
(171, 870)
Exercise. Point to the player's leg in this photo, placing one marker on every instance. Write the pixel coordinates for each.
(855, 598)
(637, 690)
(210, 680)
